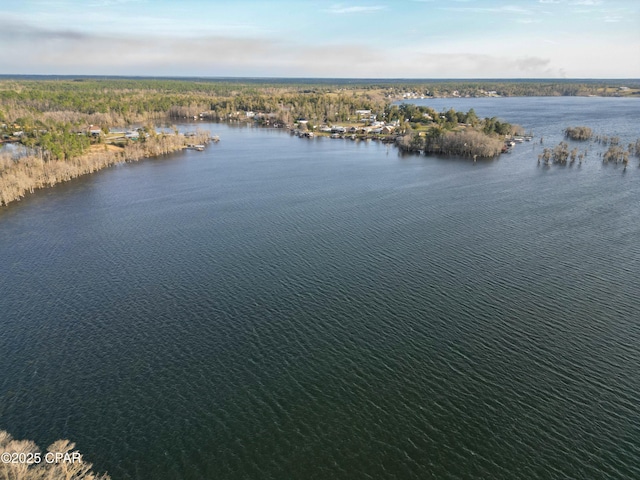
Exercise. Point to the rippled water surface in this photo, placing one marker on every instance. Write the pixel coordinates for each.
(280, 308)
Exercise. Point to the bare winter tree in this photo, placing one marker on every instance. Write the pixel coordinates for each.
(23, 460)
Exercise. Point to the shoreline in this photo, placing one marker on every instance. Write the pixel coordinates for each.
(633, 94)
(57, 156)
(33, 173)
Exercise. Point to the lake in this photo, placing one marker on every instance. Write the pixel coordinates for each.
(277, 307)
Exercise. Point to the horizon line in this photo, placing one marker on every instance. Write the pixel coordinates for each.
(394, 79)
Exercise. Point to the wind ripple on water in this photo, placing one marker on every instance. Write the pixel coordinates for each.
(246, 318)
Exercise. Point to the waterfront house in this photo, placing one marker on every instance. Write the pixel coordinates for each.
(94, 131)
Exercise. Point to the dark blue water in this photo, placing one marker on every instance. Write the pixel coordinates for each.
(284, 308)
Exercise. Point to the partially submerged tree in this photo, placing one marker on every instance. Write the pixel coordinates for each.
(578, 133)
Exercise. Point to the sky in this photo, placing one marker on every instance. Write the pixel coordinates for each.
(352, 39)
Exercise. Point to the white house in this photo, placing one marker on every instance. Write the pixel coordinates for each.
(94, 130)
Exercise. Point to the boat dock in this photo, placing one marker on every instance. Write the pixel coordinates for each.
(199, 148)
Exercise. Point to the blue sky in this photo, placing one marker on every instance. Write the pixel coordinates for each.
(363, 38)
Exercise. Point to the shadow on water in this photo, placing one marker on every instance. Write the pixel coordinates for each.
(445, 158)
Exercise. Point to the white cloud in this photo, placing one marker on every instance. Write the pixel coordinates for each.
(510, 9)
(341, 9)
(586, 2)
(111, 3)
(50, 47)
(40, 50)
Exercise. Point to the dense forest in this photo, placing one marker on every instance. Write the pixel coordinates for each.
(124, 101)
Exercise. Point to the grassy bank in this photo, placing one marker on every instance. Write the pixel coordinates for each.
(32, 172)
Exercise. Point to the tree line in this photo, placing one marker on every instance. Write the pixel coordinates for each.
(50, 116)
(453, 133)
(39, 169)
